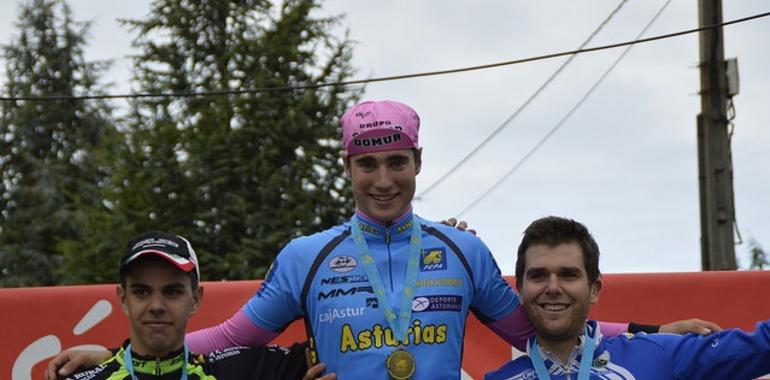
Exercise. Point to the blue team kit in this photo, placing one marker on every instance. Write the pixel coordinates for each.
(726, 355)
(321, 278)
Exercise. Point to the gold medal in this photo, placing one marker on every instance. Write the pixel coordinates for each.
(400, 364)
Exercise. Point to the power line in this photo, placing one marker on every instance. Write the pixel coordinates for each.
(187, 94)
(563, 119)
(522, 107)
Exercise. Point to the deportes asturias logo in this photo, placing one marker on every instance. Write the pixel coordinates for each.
(437, 303)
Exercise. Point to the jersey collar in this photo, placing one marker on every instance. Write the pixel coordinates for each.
(574, 357)
(402, 226)
(153, 365)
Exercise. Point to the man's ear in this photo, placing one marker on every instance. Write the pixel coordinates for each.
(122, 297)
(596, 288)
(346, 164)
(197, 299)
(417, 160)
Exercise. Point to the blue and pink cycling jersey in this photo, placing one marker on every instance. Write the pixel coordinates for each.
(319, 278)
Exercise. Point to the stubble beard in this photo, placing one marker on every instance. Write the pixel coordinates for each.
(570, 331)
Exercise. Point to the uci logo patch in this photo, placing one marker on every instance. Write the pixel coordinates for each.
(432, 259)
(343, 263)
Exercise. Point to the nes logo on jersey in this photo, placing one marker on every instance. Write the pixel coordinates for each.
(349, 279)
(343, 263)
(437, 303)
(432, 259)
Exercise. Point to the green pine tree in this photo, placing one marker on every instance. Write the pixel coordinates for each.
(54, 155)
(239, 175)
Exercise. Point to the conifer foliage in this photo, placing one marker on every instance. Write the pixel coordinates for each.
(54, 156)
(238, 175)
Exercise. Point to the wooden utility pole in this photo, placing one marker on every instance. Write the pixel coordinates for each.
(714, 156)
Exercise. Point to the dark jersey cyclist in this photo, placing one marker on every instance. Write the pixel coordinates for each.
(159, 292)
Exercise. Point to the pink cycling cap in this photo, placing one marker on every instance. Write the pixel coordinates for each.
(378, 126)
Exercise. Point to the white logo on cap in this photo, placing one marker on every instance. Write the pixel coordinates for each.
(154, 241)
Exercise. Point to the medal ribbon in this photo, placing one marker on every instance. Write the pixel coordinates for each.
(587, 356)
(128, 362)
(399, 324)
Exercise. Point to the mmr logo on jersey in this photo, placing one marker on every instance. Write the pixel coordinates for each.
(345, 292)
(343, 263)
(432, 259)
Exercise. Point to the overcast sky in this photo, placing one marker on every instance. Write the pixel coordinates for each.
(625, 163)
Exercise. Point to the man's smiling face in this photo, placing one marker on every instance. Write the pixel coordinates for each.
(384, 182)
(555, 291)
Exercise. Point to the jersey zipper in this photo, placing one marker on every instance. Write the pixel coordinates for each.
(157, 366)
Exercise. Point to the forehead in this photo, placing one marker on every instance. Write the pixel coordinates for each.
(386, 155)
(565, 255)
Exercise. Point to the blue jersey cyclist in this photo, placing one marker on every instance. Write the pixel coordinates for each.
(386, 294)
(323, 278)
(558, 277)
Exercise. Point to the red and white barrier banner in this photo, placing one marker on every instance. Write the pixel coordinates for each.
(38, 323)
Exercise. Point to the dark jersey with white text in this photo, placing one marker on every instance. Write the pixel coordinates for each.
(266, 363)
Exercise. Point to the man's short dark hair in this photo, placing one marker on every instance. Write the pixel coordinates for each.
(552, 231)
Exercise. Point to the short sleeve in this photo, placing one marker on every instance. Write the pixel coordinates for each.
(277, 302)
(493, 298)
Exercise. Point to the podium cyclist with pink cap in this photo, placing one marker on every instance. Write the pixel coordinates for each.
(385, 295)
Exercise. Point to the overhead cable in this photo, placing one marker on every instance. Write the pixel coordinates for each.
(187, 94)
(522, 107)
(561, 122)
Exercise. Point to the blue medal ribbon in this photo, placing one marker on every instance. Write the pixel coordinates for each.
(129, 363)
(586, 359)
(399, 324)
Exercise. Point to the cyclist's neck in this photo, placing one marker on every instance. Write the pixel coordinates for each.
(388, 223)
